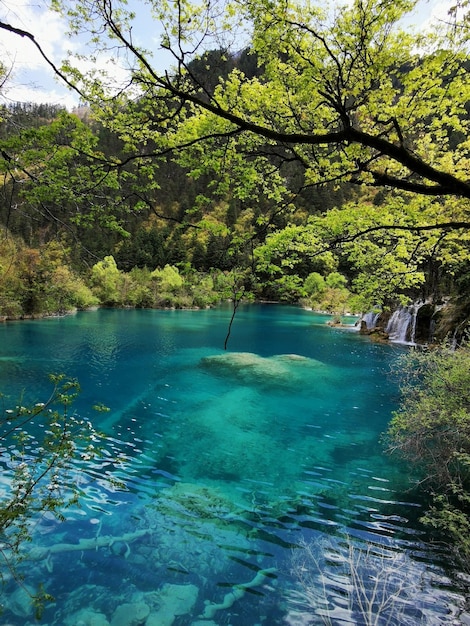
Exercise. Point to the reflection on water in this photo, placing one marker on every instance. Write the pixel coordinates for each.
(244, 487)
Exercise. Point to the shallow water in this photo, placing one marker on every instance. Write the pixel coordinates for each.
(252, 479)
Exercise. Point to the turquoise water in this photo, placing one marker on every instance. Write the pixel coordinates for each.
(251, 478)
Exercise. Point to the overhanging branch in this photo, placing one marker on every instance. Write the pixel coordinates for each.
(55, 69)
(444, 226)
(445, 183)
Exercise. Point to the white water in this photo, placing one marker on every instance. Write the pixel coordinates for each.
(371, 319)
(401, 326)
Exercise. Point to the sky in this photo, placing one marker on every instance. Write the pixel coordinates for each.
(32, 80)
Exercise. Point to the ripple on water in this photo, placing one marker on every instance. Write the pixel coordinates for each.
(214, 474)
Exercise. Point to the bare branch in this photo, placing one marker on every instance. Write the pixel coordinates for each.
(55, 69)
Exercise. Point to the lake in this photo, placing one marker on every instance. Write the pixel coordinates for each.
(244, 487)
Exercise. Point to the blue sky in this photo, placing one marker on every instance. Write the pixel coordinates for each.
(32, 80)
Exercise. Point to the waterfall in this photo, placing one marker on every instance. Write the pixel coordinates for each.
(401, 326)
(371, 319)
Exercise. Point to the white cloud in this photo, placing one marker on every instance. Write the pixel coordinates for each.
(440, 10)
(46, 25)
(45, 91)
(31, 79)
(431, 15)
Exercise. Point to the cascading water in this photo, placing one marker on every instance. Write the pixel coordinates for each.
(371, 319)
(401, 326)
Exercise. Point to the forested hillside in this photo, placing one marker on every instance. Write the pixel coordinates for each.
(88, 223)
(324, 163)
(66, 209)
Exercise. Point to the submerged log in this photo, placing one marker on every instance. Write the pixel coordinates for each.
(237, 592)
(102, 541)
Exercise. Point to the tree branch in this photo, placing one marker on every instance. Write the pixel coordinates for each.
(428, 227)
(446, 183)
(55, 69)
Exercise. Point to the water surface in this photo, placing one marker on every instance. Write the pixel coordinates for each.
(250, 477)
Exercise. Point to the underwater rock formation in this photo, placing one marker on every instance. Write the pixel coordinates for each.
(196, 501)
(250, 368)
(237, 592)
(39, 553)
(174, 600)
(86, 617)
(205, 521)
(130, 614)
(234, 435)
(156, 608)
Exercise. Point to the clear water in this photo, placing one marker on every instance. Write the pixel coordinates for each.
(251, 478)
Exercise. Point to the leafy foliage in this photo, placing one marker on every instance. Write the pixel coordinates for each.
(165, 287)
(432, 431)
(50, 169)
(40, 446)
(244, 159)
(39, 281)
(344, 91)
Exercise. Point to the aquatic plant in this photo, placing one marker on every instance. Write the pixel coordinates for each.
(371, 585)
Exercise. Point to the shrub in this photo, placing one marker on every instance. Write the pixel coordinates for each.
(431, 430)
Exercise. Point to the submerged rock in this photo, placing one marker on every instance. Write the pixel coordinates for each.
(195, 501)
(174, 600)
(237, 592)
(130, 614)
(253, 368)
(120, 548)
(21, 601)
(205, 522)
(86, 617)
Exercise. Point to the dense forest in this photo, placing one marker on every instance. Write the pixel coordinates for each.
(325, 164)
(80, 235)
(147, 244)
(79, 232)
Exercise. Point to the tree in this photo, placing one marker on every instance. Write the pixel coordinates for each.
(314, 284)
(333, 95)
(55, 175)
(338, 95)
(11, 286)
(38, 281)
(390, 249)
(167, 279)
(106, 280)
(345, 91)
